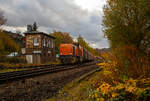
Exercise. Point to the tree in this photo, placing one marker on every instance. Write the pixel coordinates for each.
(7, 45)
(2, 18)
(61, 37)
(85, 45)
(126, 22)
(67, 38)
(82, 42)
(127, 27)
(34, 27)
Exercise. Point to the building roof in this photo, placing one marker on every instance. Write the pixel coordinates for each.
(42, 33)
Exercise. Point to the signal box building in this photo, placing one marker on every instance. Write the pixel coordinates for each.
(39, 48)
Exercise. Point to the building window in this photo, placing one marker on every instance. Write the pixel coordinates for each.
(49, 44)
(36, 42)
(44, 42)
(52, 44)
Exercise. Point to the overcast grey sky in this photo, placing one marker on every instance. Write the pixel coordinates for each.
(82, 17)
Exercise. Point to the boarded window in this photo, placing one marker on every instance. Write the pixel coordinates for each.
(29, 59)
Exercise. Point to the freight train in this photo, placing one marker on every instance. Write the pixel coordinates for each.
(74, 53)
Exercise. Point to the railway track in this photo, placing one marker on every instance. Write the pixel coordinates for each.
(20, 75)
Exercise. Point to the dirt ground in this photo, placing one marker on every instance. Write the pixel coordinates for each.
(41, 87)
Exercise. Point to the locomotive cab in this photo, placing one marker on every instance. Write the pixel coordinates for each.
(67, 53)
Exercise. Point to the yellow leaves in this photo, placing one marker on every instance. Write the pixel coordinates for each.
(97, 90)
(91, 96)
(96, 95)
(110, 60)
(108, 65)
(114, 82)
(7, 44)
(130, 89)
(114, 94)
(107, 73)
(105, 88)
(108, 90)
(131, 82)
(129, 86)
(119, 87)
(144, 81)
(100, 99)
(103, 64)
(105, 55)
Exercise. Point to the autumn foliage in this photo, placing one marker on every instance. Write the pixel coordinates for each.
(64, 37)
(126, 68)
(61, 37)
(7, 44)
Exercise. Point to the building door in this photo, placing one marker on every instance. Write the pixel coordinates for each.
(29, 59)
(37, 59)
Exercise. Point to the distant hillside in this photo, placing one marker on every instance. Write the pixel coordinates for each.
(19, 39)
(102, 50)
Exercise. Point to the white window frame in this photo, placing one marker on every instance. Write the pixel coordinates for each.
(36, 41)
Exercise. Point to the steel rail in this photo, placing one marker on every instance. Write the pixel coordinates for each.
(18, 75)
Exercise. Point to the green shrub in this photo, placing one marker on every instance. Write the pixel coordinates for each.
(12, 60)
(123, 96)
(145, 95)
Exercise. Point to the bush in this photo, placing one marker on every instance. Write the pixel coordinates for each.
(145, 95)
(123, 96)
(126, 62)
(131, 62)
(12, 60)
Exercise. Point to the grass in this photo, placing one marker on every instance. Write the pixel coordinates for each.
(23, 65)
(10, 70)
(77, 90)
(7, 67)
(103, 86)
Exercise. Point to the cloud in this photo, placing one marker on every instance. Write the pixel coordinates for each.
(64, 15)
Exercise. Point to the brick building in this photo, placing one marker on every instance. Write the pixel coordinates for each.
(39, 46)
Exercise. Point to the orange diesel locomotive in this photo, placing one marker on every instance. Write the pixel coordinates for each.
(71, 53)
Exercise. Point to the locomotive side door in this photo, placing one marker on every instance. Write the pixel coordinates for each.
(73, 51)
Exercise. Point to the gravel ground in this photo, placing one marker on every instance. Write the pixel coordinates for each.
(41, 87)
